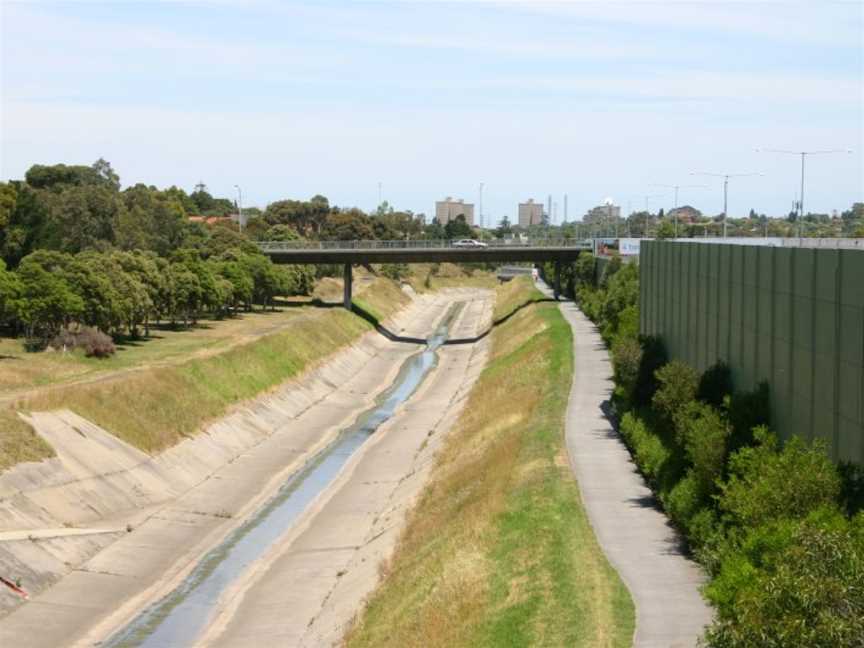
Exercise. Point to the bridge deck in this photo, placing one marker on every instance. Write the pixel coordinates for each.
(421, 251)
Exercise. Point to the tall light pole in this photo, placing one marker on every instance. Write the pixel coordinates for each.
(726, 177)
(379, 194)
(676, 188)
(481, 205)
(803, 155)
(239, 207)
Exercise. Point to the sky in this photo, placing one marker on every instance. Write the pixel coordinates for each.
(430, 99)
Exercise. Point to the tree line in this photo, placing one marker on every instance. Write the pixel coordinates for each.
(77, 250)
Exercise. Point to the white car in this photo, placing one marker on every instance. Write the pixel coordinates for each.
(468, 243)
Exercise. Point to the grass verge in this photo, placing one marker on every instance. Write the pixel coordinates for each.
(156, 407)
(498, 550)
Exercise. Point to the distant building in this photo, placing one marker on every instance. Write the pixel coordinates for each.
(603, 214)
(530, 213)
(450, 209)
(685, 214)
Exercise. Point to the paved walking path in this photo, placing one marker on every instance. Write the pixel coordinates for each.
(635, 535)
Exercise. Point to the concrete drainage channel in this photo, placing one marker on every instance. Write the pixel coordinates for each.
(179, 618)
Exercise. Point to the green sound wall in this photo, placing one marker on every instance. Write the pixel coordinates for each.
(793, 317)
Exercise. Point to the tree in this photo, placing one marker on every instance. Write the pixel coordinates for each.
(352, 225)
(504, 228)
(46, 301)
(307, 218)
(102, 169)
(665, 230)
(81, 217)
(8, 198)
(281, 233)
(10, 292)
(458, 228)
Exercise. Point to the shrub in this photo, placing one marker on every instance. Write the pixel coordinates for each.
(628, 322)
(715, 384)
(685, 499)
(626, 358)
(653, 357)
(585, 269)
(795, 585)
(92, 341)
(748, 410)
(95, 343)
(678, 382)
(851, 487)
(395, 271)
(648, 450)
(610, 268)
(766, 484)
(706, 433)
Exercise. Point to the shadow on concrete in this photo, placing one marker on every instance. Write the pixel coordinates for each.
(393, 337)
(383, 330)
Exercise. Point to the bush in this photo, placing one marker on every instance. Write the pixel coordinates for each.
(766, 485)
(685, 499)
(715, 384)
(653, 357)
(706, 433)
(395, 271)
(650, 454)
(677, 384)
(797, 584)
(851, 487)
(626, 358)
(748, 410)
(92, 341)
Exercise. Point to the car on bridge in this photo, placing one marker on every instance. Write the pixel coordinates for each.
(468, 243)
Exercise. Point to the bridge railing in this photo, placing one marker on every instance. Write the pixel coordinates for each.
(421, 244)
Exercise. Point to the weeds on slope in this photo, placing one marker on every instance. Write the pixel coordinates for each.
(498, 551)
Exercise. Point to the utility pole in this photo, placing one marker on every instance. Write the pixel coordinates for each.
(239, 208)
(726, 177)
(549, 208)
(379, 194)
(803, 155)
(676, 188)
(481, 205)
(565, 208)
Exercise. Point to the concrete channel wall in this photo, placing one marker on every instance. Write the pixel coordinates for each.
(792, 317)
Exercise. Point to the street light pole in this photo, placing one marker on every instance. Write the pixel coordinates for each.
(481, 205)
(676, 188)
(803, 155)
(239, 208)
(726, 177)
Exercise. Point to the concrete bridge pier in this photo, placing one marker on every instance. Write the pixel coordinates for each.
(557, 279)
(346, 275)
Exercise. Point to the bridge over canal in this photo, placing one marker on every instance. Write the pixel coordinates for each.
(349, 253)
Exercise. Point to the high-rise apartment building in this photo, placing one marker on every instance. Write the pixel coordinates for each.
(530, 213)
(603, 214)
(449, 209)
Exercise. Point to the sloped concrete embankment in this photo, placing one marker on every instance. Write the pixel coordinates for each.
(56, 515)
(308, 587)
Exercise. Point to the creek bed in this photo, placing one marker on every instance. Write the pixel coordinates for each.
(179, 618)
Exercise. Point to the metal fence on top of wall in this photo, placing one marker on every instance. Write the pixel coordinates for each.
(793, 317)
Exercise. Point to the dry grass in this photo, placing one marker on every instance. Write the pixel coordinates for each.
(155, 407)
(18, 442)
(498, 551)
(448, 275)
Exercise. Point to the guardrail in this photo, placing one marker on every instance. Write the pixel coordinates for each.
(421, 244)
